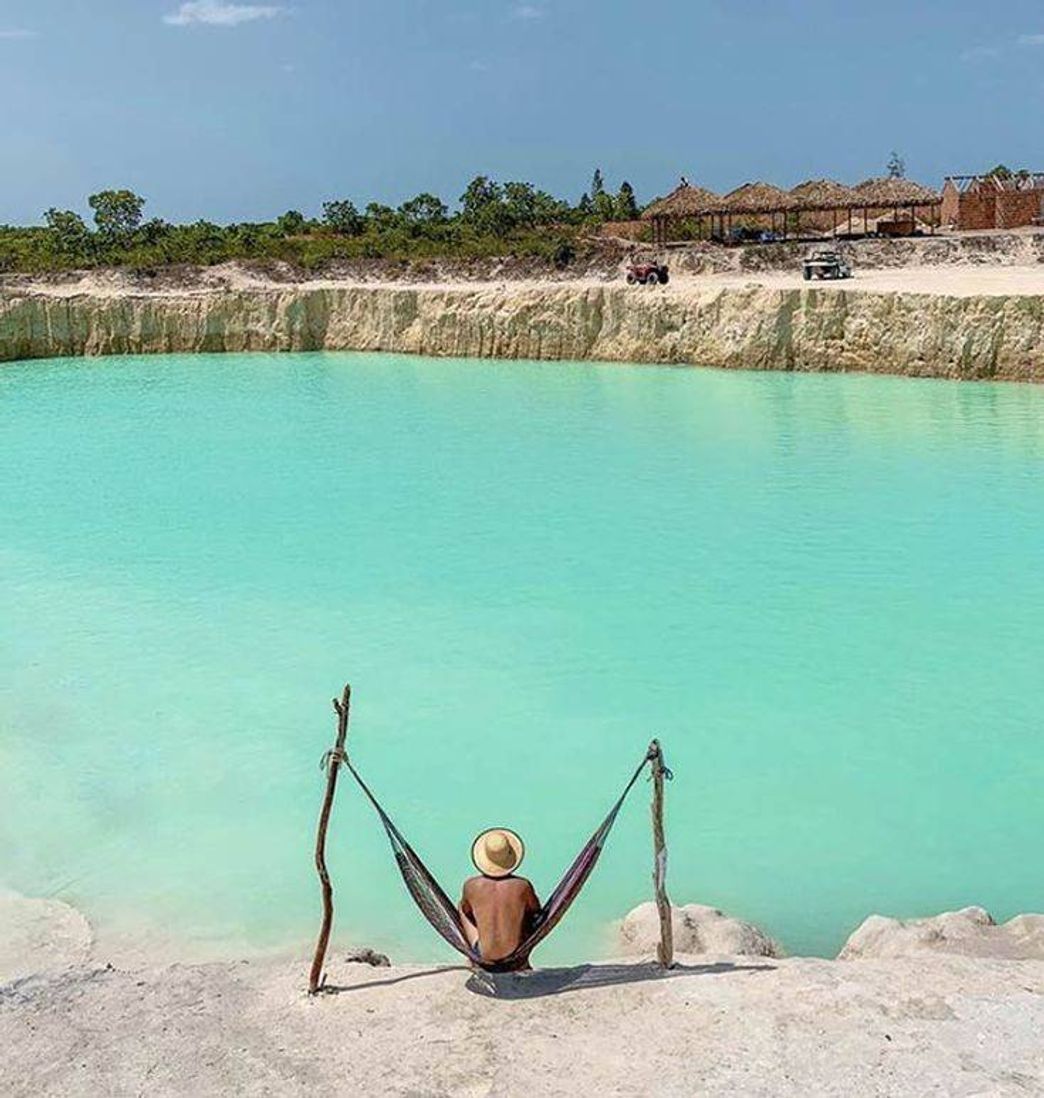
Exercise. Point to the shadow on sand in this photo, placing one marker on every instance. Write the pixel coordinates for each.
(554, 981)
(542, 982)
(341, 989)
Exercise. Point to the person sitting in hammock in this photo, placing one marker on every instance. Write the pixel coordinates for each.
(498, 909)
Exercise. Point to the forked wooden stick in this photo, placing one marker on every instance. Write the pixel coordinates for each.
(332, 762)
(665, 950)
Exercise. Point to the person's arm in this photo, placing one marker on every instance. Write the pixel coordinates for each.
(467, 917)
(467, 912)
(533, 908)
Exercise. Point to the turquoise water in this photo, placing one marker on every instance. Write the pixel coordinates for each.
(825, 595)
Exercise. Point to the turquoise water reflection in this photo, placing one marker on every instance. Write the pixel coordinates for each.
(824, 594)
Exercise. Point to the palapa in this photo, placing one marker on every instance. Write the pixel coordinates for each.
(756, 198)
(889, 191)
(685, 200)
(825, 194)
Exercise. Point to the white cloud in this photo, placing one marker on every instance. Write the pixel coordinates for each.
(13, 34)
(527, 11)
(981, 53)
(214, 13)
(1031, 39)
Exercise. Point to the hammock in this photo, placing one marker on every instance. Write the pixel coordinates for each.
(442, 913)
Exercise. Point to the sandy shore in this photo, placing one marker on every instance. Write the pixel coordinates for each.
(936, 1023)
(934, 281)
(942, 1025)
(938, 281)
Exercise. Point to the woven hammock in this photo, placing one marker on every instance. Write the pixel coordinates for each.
(436, 906)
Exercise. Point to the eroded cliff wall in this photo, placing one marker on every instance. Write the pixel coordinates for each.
(751, 327)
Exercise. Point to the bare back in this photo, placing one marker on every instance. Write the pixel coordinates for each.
(501, 910)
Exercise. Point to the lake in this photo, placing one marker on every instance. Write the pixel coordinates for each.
(824, 594)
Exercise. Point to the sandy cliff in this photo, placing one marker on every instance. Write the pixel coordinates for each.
(753, 325)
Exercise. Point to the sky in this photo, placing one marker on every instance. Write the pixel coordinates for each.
(239, 111)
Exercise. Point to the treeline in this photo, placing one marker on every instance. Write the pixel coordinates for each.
(491, 218)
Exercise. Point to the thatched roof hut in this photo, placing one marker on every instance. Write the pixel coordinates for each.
(684, 201)
(756, 198)
(857, 225)
(895, 192)
(825, 194)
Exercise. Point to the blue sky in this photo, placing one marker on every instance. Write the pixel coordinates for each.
(239, 111)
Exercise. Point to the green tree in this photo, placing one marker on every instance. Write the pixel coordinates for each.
(482, 193)
(626, 205)
(604, 206)
(343, 218)
(292, 223)
(597, 184)
(382, 217)
(1000, 171)
(483, 207)
(524, 205)
(155, 230)
(117, 215)
(69, 236)
(200, 242)
(423, 211)
(896, 166)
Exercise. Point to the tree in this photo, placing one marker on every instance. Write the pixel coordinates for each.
(69, 236)
(423, 211)
(382, 217)
(482, 193)
(1000, 171)
(291, 223)
(520, 203)
(525, 205)
(154, 230)
(117, 215)
(604, 206)
(597, 184)
(896, 166)
(626, 205)
(343, 218)
(482, 206)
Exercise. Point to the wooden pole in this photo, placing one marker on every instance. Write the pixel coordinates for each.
(332, 762)
(665, 950)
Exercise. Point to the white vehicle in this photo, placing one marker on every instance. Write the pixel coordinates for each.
(825, 264)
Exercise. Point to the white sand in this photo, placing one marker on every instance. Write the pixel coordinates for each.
(942, 281)
(938, 281)
(934, 1024)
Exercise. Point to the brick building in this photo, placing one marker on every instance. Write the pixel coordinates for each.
(990, 202)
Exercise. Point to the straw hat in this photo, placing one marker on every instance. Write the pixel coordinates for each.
(497, 852)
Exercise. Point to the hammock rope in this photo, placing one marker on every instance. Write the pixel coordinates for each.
(440, 911)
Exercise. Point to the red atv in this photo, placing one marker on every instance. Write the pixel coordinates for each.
(648, 274)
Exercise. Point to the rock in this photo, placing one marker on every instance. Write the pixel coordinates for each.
(971, 931)
(40, 936)
(367, 956)
(697, 929)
